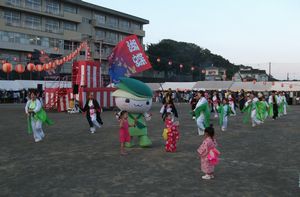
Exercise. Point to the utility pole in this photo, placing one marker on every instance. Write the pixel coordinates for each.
(270, 70)
(287, 77)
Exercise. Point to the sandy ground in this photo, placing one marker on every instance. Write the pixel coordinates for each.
(261, 161)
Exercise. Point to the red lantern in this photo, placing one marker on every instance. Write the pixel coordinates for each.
(30, 67)
(54, 65)
(7, 67)
(64, 59)
(19, 68)
(57, 62)
(69, 58)
(61, 62)
(46, 67)
(39, 68)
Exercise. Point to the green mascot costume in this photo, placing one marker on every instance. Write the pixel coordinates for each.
(135, 97)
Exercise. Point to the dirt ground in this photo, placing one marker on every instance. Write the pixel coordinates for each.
(261, 161)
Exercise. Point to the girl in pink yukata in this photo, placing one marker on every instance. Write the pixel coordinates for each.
(124, 131)
(208, 153)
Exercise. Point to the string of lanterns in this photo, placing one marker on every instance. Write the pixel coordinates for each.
(51, 65)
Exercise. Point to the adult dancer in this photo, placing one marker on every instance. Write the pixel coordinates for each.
(36, 117)
(93, 109)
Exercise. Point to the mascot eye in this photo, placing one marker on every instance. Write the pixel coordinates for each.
(147, 103)
(127, 100)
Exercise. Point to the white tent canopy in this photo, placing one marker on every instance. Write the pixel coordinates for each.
(181, 86)
(250, 86)
(212, 85)
(32, 84)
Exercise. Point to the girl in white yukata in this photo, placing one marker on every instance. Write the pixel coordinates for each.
(215, 101)
(202, 113)
(231, 103)
(252, 102)
(36, 117)
(224, 111)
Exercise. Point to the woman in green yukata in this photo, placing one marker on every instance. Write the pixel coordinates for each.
(36, 117)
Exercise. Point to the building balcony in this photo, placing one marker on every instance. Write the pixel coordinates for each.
(118, 29)
(42, 11)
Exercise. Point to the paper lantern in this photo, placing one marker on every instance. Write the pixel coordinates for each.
(181, 66)
(282, 85)
(254, 81)
(46, 67)
(39, 68)
(61, 62)
(19, 68)
(170, 62)
(7, 67)
(53, 66)
(64, 59)
(29, 55)
(273, 83)
(30, 67)
(291, 86)
(57, 62)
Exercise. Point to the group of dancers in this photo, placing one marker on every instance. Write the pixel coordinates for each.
(255, 107)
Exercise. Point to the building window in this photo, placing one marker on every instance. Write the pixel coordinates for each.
(70, 8)
(70, 26)
(52, 7)
(112, 22)
(52, 26)
(111, 37)
(33, 4)
(85, 20)
(14, 2)
(34, 40)
(12, 18)
(54, 42)
(122, 36)
(100, 19)
(124, 24)
(100, 34)
(33, 22)
(70, 45)
(135, 26)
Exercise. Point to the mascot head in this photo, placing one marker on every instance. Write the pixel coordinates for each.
(133, 96)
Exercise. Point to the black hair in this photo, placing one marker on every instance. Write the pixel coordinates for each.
(122, 114)
(210, 131)
(33, 92)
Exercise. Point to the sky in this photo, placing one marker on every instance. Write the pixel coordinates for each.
(249, 32)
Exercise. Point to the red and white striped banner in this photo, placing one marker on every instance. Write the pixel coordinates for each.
(60, 98)
(102, 95)
(88, 74)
